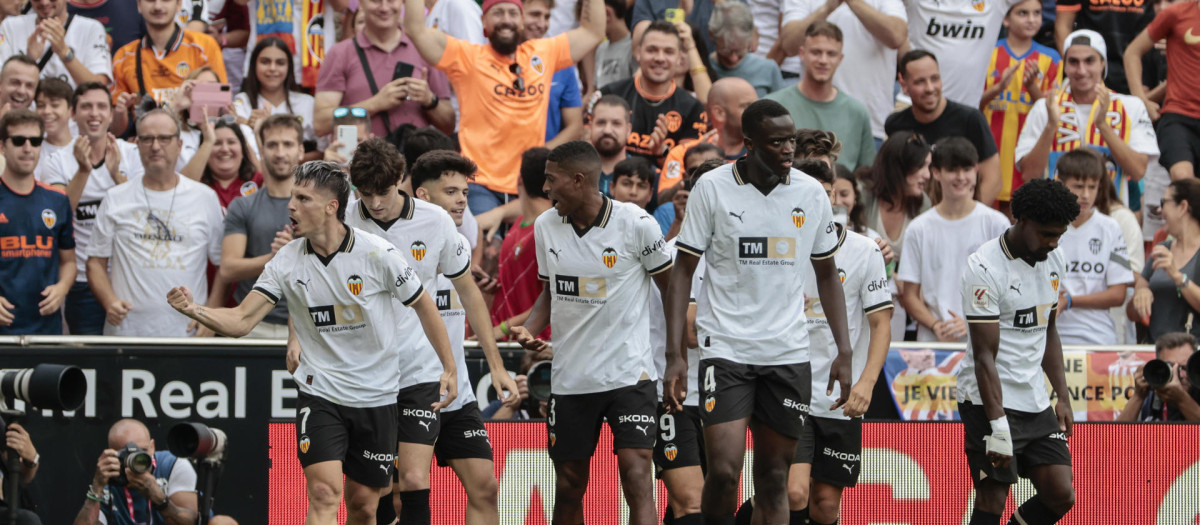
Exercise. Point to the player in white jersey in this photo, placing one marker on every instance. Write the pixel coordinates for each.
(1098, 270)
(758, 223)
(1010, 294)
(598, 258)
(343, 288)
(426, 234)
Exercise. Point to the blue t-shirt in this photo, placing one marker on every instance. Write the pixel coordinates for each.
(121, 20)
(564, 93)
(33, 228)
(664, 214)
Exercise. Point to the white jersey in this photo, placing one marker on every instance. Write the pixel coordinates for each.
(961, 34)
(424, 233)
(343, 309)
(867, 72)
(658, 325)
(155, 241)
(935, 254)
(769, 17)
(59, 169)
(85, 35)
(302, 105)
(449, 304)
(757, 250)
(999, 288)
(693, 354)
(864, 281)
(1097, 257)
(461, 19)
(600, 291)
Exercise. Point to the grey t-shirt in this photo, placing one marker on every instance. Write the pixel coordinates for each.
(259, 217)
(614, 61)
(1171, 313)
(762, 73)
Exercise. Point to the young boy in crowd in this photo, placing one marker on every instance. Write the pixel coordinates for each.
(938, 242)
(1098, 269)
(633, 180)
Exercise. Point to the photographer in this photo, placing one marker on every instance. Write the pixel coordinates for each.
(164, 494)
(18, 442)
(1172, 401)
(529, 407)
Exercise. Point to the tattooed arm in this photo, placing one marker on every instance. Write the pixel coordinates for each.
(233, 322)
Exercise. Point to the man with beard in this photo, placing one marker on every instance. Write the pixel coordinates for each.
(257, 226)
(503, 88)
(64, 45)
(609, 129)
(762, 227)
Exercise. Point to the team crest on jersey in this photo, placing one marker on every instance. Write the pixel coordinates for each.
(710, 403)
(670, 451)
(979, 5)
(798, 217)
(248, 188)
(517, 251)
(610, 257)
(842, 275)
(418, 250)
(1054, 280)
(1094, 246)
(538, 65)
(49, 217)
(674, 121)
(674, 169)
(355, 283)
(182, 68)
(304, 444)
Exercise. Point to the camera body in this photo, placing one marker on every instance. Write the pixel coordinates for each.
(134, 458)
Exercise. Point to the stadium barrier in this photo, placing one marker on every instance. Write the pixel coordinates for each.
(913, 472)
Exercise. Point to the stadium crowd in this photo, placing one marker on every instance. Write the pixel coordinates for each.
(153, 144)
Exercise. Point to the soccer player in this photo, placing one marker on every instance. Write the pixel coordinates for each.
(342, 286)
(597, 257)
(756, 221)
(426, 234)
(1010, 298)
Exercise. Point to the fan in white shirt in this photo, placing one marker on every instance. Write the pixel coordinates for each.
(73, 48)
(961, 33)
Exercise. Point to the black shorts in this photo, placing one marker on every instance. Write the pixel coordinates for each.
(680, 440)
(573, 421)
(363, 439)
(418, 423)
(776, 395)
(1036, 440)
(462, 436)
(1178, 139)
(834, 449)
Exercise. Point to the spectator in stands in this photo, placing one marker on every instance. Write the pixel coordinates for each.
(726, 101)
(962, 36)
(768, 21)
(230, 170)
(935, 116)
(1098, 271)
(1135, 246)
(1171, 402)
(270, 88)
(519, 286)
(39, 262)
(695, 14)
(258, 226)
(1165, 297)
(503, 87)
(230, 27)
(106, 162)
(164, 495)
(815, 102)
(614, 58)
(391, 100)
(64, 45)
(938, 242)
(1118, 23)
(1179, 127)
(663, 114)
(873, 30)
(194, 149)
(818, 144)
(20, 443)
(691, 70)
(564, 117)
(18, 82)
(633, 180)
(894, 190)
(167, 54)
(460, 19)
(156, 231)
(1126, 137)
(11, 8)
(732, 30)
(346, 116)
(311, 31)
(1021, 72)
(696, 154)
(610, 129)
(121, 20)
(847, 194)
(55, 98)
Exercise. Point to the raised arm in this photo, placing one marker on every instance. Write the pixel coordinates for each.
(233, 322)
(430, 42)
(585, 38)
(1133, 64)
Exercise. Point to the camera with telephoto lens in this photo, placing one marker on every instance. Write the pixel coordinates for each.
(537, 380)
(55, 387)
(132, 457)
(1157, 373)
(197, 441)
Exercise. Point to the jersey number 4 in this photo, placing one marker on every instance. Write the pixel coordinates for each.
(710, 378)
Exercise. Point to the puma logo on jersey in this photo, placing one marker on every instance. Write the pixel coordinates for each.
(303, 283)
(849, 468)
(1015, 287)
(738, 216)
(385, 469)
(643, 429)
(554, 252)
(424, 424)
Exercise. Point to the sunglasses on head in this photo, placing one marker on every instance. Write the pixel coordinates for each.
(19, 141)
(357, 112)
(519, 83)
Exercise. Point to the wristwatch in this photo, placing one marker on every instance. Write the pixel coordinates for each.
(1183, 284)
(70, 56)
(32, 464)
(161, 507)
(433, 104)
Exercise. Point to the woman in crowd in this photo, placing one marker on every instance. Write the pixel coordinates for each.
(229, 170)
(194, 148)
(270, 88)
(1165, 297)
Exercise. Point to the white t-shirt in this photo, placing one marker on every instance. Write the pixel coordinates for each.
(935, 254)
(188, 11)
(600, 291)
(302, 107)
(562, 17)
(961, 34)
(767, 20)
(868, 69)
(758, 252)
(189, 144)
(60, 170)
(864, 282)
(1096, 257)
(425, 235)
(155, 241)
(997, 288)
(344, 311)
(449, 304)
(85, 35)
(461, 19)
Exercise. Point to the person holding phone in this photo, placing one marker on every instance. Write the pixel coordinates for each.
(196, 138)
(270, 88)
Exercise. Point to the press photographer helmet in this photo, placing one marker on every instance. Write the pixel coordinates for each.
(56, 387)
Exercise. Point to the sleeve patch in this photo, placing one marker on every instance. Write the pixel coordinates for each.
(979, 296)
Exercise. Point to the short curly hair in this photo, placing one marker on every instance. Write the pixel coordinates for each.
(1044, 201)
